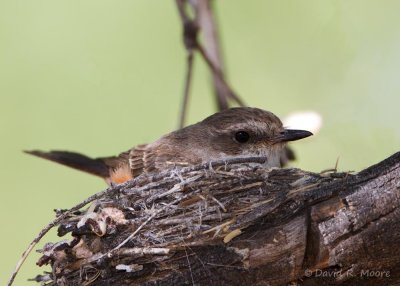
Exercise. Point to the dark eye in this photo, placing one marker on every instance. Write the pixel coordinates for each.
(242, 136)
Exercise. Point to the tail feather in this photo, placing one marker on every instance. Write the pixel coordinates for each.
(77, 161)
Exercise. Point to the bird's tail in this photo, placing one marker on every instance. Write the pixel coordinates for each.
(77, 161)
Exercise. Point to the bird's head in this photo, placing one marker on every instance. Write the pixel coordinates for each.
(245, 131)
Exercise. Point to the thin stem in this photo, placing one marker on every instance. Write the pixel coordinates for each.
(186, 91)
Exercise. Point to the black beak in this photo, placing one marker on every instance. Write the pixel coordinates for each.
(292, 135)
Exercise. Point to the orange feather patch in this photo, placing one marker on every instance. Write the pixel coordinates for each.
(121, 175)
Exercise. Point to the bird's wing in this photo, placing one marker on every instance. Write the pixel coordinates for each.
(136, 158)
(153, 158)
(116, 162)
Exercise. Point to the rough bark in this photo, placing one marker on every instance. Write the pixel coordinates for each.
(237, 223)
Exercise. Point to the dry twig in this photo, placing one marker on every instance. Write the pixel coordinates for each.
(203, 21)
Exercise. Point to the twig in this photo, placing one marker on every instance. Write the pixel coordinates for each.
(217, 72)
(190, 30)
(203, 20)
(230, 161)
(188, 80)
(208, 26)
(55, 222)
(126, 240)
(190, 267)
(142, 251)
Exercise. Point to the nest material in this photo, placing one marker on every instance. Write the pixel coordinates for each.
(137, 227)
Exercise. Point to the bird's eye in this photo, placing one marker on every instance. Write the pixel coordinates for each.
(242, 136)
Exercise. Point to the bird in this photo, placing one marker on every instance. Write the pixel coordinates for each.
(231, 133)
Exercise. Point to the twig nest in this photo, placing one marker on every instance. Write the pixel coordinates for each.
(139, 227)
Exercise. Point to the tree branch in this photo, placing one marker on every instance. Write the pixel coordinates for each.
(212, 48)
(203, 20)
(237, 223)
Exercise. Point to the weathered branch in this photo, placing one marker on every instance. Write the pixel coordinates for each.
(212, 48)
(236, 223)
(203, 21)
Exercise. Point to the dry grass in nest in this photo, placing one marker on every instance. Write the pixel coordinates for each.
(145, 221)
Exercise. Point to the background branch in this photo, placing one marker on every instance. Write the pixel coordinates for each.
(204, 22)
(212, 48)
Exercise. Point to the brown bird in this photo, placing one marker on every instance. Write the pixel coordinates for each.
(232, 133)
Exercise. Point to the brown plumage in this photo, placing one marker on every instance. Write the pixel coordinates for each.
(236, 132)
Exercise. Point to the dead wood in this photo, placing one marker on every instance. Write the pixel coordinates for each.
(236, 223)
(203, 22)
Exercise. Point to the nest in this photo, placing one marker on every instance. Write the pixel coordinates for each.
(135, 229)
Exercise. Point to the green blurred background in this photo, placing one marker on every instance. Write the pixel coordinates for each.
(101, 76)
